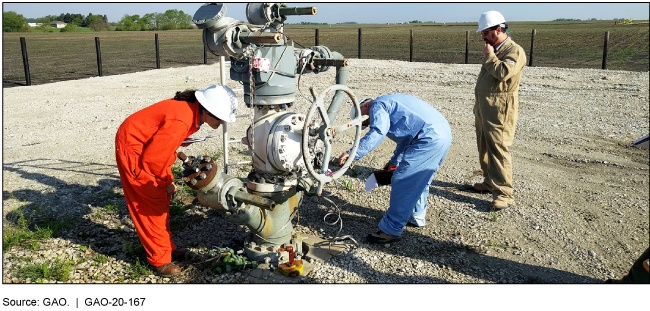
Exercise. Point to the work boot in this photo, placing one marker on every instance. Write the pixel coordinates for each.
(499, 205)
(480, 188)
(380, 237)
(180, 254)
(168, 269)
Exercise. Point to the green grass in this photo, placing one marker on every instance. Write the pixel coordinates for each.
(85, 248)
(176, 208)
(187, 190)
(56, 270)
(100, 260)
(495, 244)
(108, 195)
(137, 270)
(135, 249)
(348, 184)
(33, 245)
(493, 215)
(177, 172)
(27, 232)
(113, 207)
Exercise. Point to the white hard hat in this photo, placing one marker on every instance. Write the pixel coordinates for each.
(490, 19)
(219, 100)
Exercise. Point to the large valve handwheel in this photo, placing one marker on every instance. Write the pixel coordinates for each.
(324, 133)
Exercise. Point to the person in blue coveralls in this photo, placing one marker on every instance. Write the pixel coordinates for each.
(423, 138)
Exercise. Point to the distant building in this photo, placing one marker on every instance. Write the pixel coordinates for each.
(33, 23)
(58, 24)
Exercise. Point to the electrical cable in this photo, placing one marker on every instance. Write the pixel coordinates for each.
(337, 239)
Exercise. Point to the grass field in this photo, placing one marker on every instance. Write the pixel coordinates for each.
(64, 56)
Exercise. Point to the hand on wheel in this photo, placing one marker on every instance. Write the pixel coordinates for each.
(344, 156)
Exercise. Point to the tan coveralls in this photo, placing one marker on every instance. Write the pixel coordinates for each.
(496, 113)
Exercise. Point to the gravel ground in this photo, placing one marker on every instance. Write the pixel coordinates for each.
(581, 214)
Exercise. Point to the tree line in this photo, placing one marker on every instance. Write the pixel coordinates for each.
(171, 19)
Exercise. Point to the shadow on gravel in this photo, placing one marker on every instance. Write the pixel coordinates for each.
(88, 209)
(462, 258)
(87, 205)
(456, 192)
(97, 216)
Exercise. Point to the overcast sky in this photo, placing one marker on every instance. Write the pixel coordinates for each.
(362, 13)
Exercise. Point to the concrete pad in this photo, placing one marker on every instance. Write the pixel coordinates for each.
(318, 250)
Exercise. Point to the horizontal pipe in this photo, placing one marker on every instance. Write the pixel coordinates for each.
(306, 10)
(238, 163)
(331, 62)
(252, 199)
(260, 37)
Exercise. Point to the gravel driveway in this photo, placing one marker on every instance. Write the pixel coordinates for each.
(581, 214)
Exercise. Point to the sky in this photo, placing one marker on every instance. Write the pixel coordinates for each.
(362, 13)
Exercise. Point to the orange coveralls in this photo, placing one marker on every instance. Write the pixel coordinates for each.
(145, 149)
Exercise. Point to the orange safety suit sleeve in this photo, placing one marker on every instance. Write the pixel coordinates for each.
(159, 155)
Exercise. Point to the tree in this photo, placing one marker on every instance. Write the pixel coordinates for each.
(148, 21)
(70, 27)
(174, 19)
(97, 23)
(77, 21)
(128, 23)
(46, 19)
(13, 22)
(86, 20)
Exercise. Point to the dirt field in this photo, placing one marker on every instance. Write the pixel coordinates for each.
(582, 190)
(64, 56)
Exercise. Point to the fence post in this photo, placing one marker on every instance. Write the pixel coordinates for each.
(316, 39)
(605, 50)
(411, 48)
(532, 44)
(23, 47)
(205, 55)
(99, 56)
(157, 54)
(359, 43)
(467, 47)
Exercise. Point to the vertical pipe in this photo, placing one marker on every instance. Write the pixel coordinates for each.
(532, 44)
(23, 47)
(99, 56)
(157, 53)
(316, 43)
(411, 48)
(359, 44)
(467, 47)
(222, 67)
(605, 50)
(339, 96)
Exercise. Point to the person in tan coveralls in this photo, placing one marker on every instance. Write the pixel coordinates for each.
(496, 107)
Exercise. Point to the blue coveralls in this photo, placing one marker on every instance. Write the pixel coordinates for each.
(423, 138)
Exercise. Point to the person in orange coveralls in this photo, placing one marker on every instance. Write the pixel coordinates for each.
(145, 149)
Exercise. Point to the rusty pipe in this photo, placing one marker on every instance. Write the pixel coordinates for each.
(331, 62)
(243, 196)
(260, 37)
(307, 10)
